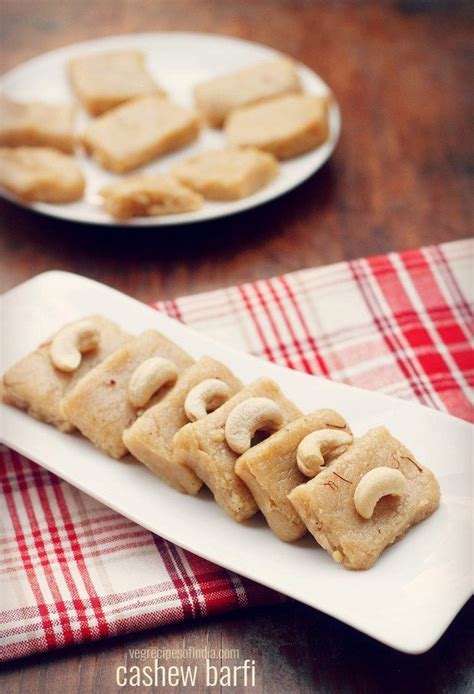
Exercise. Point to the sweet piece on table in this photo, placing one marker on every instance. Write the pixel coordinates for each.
(217, 97)
(367, 499)
(205, 445)
(286, 127)
(109, 399)
(149, 196)
(40, 174)
(105, 80)
(270, 468)
(139, 131)
(227, 174)
(36, 385)
(37, 124)
(150, 438)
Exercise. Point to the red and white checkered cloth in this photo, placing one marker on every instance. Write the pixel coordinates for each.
(72, 570)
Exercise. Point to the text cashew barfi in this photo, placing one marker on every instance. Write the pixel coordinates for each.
(40, 174)
(103, 404)
(204, 445)
(227, 174)
(286, 127)
(37, 124)
(36, 385)
(367, 499)
(150, 438)
(216, 98)
(105, 80)
(270, 469)
(139, 131)
(149, 196)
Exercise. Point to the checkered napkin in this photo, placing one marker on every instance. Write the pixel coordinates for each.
(71, 570)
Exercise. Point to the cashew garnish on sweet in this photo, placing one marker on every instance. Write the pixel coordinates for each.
(69, 344)
(247, 418)
(375, 484)
(205, 397)
(310, 454)
(148, 378)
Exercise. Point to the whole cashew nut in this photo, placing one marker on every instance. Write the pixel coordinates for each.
(248, 417)
(375, 484)
(205, 397)
(68, 345)
(148, 378)
(310, 454)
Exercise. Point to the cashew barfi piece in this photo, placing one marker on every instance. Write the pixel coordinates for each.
(270, 470)
(150, 438)
(105, 80)
(41, 174)
(149, 196)
(397, 492)
(203, 446)
(286, 127)
(34, 384)
(37, 123)
(217, 97)
(137, 132)
(100, 406)
(227, 174)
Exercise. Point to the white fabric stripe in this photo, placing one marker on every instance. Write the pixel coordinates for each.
(430, 327)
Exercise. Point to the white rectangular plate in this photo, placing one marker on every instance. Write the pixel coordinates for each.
(406, 600)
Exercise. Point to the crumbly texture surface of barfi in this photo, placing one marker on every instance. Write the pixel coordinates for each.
(216, 98)
(149, 196)
(150, 438)
(203, 447)
(99, 406)
(270, 471)
(228, 174)
(286, 127)
(137, 132)
(35, 385)
(37, 124)
(326, 503)
(105, 80)
(40, 174)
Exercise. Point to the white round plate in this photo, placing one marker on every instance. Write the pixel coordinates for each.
(178, 61)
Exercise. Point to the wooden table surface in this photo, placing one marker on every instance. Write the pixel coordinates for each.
(399, 179)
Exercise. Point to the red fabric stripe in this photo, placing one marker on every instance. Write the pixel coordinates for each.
(289, 327)
(82, 566)
(426, 354)
(279, 340)
(50, 636)
(248, 304)
(323, 369)
(391, 340)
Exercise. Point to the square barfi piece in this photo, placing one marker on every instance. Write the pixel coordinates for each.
(217, 97)
(227, 174)
(149, 196)
(326, 503)
(286, 127)
(35, 385)
(37, 124)
(270, 471)
(139, 131)
(40, 174)
(105, 80)
(99, 405)
(150, 438)
(202, 446)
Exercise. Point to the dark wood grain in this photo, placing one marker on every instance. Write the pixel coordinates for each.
(399, 179)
